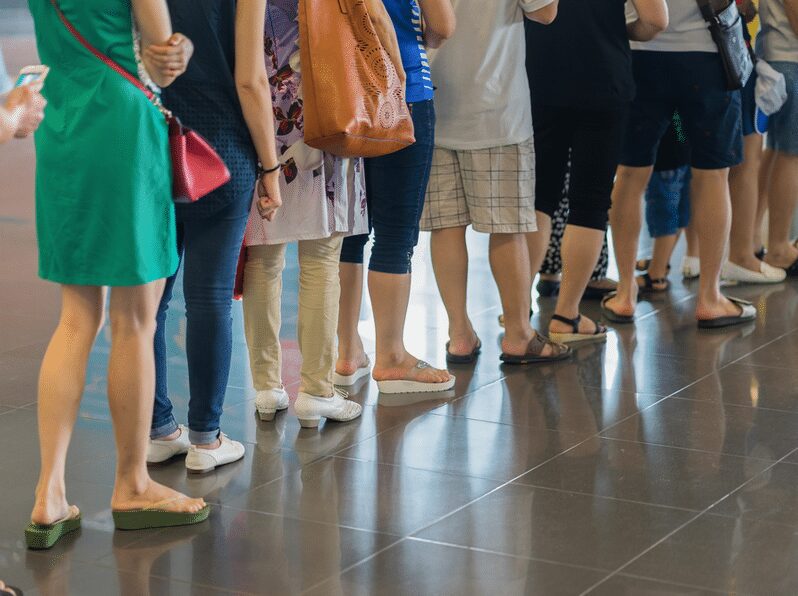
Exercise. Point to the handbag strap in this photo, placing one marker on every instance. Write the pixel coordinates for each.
(706, 10)
(105, 59)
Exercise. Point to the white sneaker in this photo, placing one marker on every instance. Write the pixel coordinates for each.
(271, 401)
(200, 461)
(159, 451)
(310, 409)
(691, 267)
(767, 274)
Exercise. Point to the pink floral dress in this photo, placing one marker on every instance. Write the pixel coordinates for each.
(322, 194)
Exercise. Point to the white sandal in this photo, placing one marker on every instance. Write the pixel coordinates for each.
(408, 386)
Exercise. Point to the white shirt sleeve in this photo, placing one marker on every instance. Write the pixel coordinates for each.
(533, 5)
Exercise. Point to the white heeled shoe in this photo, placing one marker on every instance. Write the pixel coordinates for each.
(269, 402)
(201, 461)
(310, 409)
(159, 450)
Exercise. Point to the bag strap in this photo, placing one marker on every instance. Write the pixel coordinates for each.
(97, 53)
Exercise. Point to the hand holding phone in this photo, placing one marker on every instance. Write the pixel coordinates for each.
(33, 76)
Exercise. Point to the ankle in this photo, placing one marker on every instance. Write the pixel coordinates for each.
(215, 445)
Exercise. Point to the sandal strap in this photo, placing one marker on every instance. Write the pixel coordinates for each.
(538, 343)
(574, 323)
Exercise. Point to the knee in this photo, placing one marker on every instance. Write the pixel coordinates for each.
(393, 253)
(132, 322)
(84, 326)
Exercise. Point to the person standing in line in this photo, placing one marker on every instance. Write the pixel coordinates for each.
(225, 97)
(483, 172)
(395, 188)
(680, 70)
(743, 264)
(104, 218)
(779, 38)
(580, 74)
(324, 201)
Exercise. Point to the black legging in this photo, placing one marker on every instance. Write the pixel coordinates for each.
(593, 140)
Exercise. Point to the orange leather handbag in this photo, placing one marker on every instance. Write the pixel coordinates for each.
(354, 100)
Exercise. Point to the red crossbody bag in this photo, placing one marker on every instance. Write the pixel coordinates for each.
(197, 170)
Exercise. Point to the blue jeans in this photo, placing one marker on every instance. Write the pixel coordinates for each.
(396, 185)
(209, 249)
(668, 202)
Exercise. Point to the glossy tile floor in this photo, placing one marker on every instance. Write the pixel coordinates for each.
(664, 462)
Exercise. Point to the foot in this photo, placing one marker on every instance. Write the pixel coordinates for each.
(463, 345)
(723, 307)
(346, 366)
(622, 305)
(310, 409)
(165, 448)
(586, 326)
(206, 458)
(50, 508)
(783, 258)
(271, 401)
(518, 347)
(406, 369)
(154, 496)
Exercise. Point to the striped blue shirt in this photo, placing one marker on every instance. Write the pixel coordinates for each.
(406, 17)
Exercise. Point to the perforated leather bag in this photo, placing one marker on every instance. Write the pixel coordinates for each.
(354, 99)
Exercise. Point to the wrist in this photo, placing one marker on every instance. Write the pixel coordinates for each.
(268, 170)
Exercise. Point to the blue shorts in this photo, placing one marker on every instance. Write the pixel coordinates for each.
(694, 84)
(668, 202)
(783, 129)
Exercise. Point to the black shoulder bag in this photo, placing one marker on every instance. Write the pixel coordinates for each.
(726, 28)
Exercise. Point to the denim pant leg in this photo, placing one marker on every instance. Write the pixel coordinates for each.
(163, 421)
(212, 246)
(397, 185)
(664, 200)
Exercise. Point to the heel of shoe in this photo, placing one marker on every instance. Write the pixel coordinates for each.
(309, 422)
(267, 415)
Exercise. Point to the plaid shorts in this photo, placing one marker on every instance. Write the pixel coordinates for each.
(491, 189)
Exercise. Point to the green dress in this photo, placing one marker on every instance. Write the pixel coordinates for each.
(104, 211)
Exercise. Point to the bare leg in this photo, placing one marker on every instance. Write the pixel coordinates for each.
(509, 262)
(61, 382)
(131, 390)
(581, 248)
(351, 353)
(744, 189)
(450, 263)
(626, 221)
(691, 236)
(538, 244)
(661, 257)
(765, 171)
(390, 295)
(712, 220)
(783, 194)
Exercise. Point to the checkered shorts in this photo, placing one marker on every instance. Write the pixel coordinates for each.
(491, 189)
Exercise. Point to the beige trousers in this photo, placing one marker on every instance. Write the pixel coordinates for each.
(319, 291)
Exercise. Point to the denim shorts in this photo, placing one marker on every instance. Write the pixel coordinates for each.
(694, 84)
(783, 130)
(668, 202)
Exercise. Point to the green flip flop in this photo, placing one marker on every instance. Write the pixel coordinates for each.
(39, 537)
(142, 519)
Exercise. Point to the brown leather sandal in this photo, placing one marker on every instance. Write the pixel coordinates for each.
(534, 351)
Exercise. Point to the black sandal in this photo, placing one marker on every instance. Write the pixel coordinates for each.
(534, 351)
(599, 334)
(463, 358)
(649, 284)
(613, 316)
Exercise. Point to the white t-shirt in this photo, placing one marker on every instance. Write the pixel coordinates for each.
(686, 32)
(779, 43)
(482, 97)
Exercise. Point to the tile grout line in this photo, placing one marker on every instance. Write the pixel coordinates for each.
(684, 525)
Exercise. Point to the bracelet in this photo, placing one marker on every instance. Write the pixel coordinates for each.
(262, 171)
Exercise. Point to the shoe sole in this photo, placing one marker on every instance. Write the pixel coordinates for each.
(577, 338)
(44, 537)
(414, 386)
(349, 380)
(145, 519)
(269, 415)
